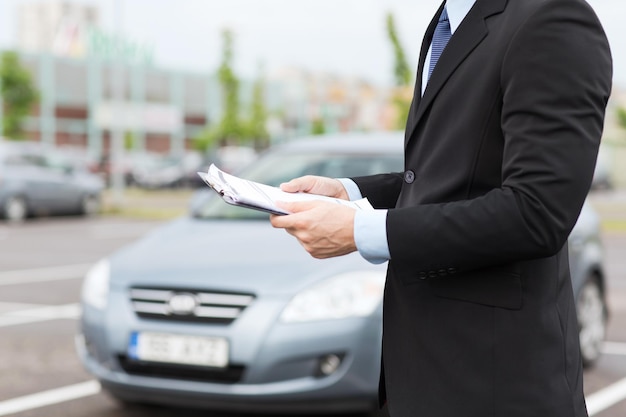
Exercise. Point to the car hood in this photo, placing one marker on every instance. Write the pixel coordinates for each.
(225, 255)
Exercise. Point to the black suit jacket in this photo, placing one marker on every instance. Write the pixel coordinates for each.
(479, 316)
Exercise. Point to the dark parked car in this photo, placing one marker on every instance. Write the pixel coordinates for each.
(35, 180)
(219, 310)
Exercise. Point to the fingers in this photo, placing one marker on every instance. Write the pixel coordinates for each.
(324, 229)
(316, 185)
(299, 185)
(288, 221)
(298, 206)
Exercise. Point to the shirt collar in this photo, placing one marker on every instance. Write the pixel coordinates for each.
(457, 10)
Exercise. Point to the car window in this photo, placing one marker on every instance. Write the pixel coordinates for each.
(354, 166)
(274, 169)
(57, 162)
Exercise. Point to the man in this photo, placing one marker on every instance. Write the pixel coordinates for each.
(501, 142)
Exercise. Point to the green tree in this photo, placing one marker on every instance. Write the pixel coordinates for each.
(402, 93)
(130, 141)
(621, 117)
(230, 129)
(230, 125)
(257, 123)
(401, 69)
(318, 127)
(18, 95)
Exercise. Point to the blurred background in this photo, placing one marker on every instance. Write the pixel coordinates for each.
(112, 106)
(127, 82)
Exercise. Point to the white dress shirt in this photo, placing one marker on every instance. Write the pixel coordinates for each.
(370, 226)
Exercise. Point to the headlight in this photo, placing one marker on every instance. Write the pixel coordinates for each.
(95, 290)
(353, 294)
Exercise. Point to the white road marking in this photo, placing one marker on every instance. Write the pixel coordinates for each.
(9, 307)
(606, 397)
(614, 348)
(53, 273)
(596, 402)
(39, 314)
(45, 398)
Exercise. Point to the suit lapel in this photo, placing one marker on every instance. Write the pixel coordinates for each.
(466, 38)
(428, 37)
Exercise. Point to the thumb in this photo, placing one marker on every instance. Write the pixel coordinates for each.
(296, 185)
(292, 186)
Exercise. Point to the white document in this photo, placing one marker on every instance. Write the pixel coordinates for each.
(250, 194)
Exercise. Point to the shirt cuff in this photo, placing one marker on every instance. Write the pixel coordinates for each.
(351, 188)
(370, 235)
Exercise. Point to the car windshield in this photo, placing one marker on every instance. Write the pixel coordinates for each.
(276, 168)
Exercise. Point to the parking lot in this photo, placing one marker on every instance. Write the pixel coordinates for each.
(42, 263)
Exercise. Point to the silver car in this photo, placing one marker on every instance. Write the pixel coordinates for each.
(35, 180)
(219, 310)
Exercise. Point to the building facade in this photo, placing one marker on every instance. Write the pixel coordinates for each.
(95, 86)
(84, 100)
(79, 105)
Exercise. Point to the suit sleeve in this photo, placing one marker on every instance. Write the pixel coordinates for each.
(555, 81)
(382, 190)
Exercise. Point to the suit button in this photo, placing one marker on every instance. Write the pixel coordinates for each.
(422, 275)
(432, 274)
(451, 271)
(409, 177)
(443, 272)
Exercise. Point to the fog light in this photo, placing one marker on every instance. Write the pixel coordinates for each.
(328, 364)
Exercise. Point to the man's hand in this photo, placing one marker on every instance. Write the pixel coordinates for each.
(316, 185)
(324, 229)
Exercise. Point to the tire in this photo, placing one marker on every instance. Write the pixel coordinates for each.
(15, 209)
(90, 205)
(592, 319)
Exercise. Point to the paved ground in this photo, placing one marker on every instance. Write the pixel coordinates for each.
(41, 266)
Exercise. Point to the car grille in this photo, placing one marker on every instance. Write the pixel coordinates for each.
(188, 305)
(230, 375)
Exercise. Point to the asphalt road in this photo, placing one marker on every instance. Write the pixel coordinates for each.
(41, 266)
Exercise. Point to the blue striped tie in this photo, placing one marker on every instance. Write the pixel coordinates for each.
(440, 40)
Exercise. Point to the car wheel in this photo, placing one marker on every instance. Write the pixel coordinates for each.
(90, 205)
(15, 209)
(592, 317)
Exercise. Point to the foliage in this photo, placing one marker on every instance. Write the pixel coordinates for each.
(205, 140)
(233, 128)
(318, 127)
(230, 128)
(621, 117)
(230, 125)
(256, 129)
(402, 71)
(402, 95)
(129, 141)
(18, 95)
(401, 99)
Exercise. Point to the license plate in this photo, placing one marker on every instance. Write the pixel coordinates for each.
(179, 349)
